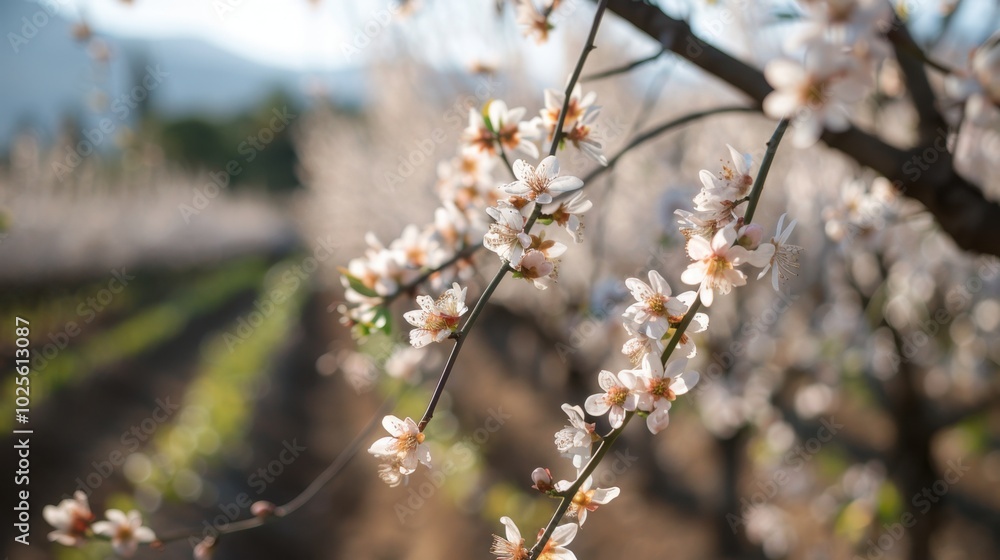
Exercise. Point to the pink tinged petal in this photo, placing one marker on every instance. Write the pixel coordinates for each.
(607, 380)
(514, 115)
(548, 167)
(564, 534)
(707, 296)
(54, 516)
(724, 239)
(522, 170)
(684, 382)
(640, 291)
(426, 303)
(731, 279)
(707, 179)
(513, 533)
(416, 318)
(616, 416)
(517, 188)
(659, 419)
(741, 161)
(762, 255)
(424, 454)
(408, 463)
(116, 516)
(384, 446)
(693, 274)
(639, 401)
(394, 425)
(674, 368)
(783, 74)
(103, 528)
(658, 284)
(780, 104)
(565, 183)
(144, 534)
(596, 405)
(604, 495)
(698, 248)
(775, 277)
(543, 198)
(528, 148)
(421, 337)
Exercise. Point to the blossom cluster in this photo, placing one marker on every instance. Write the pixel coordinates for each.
(538, 194)
(75, 524)
(838, 46)
(476, 206)
(718, 241)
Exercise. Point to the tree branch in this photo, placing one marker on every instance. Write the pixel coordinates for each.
(924, 173)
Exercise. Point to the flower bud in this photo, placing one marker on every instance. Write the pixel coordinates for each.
(750, 236)
(262, 509)
(542, 479)
(205, 549)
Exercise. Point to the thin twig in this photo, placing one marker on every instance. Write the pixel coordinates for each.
(625, 68)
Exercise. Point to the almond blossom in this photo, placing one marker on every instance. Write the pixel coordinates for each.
(813, 93)
(506, 236)
(786, 257)
(656, 388)
(125, 530)
(533, 22)
(653, 307)
(569, 214)
(403, 448)
(586, 499)
(538, 184)
(616, 399)
(715, 262)
(499, 126)
(512, 547)
(574, 441)
(436, 320)
(71, 519)
(537, 269)
(733, 182)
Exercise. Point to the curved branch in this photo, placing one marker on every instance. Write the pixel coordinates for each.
(925, 173)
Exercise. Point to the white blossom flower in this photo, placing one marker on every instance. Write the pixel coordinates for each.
(656, 388)
(512, 547)
(405, 444)
(574, 441)
(496, 126)
(436, 320)
(653, 308)
(538, 184)
(125, 530)
(616, 399)
(569, 214)
(579, 109)
(506, 236)
(640, 344)
(586, 499)
(534, 22)
(715, 260)
(813, 93)
(584, 138)
(542, 480)
(71, 519)
(733, 182)
(786, 257)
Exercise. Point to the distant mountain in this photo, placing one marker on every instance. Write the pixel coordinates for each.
(46, 75)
